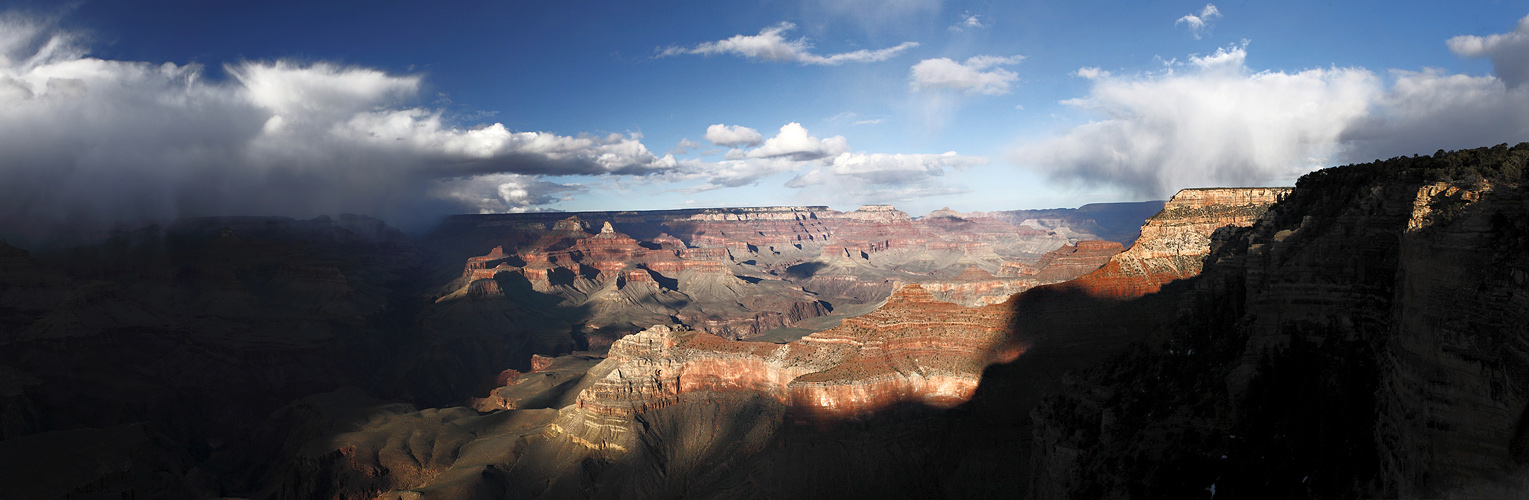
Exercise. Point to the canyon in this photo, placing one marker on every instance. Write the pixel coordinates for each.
(1359, 335)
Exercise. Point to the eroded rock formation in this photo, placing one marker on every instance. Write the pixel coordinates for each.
(1364, 338)
(1175, 242)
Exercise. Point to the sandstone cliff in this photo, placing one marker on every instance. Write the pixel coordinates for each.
(1174, 243)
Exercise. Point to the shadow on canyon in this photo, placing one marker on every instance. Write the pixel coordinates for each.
(1365, 337)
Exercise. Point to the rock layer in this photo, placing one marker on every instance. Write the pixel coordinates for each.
(1364, 338)
(914, 349)
(1175, 242)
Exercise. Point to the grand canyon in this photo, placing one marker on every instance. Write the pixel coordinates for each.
(1360, 334)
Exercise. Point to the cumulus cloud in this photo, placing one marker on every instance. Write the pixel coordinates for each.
(91, 144)
(733, 136)
(771, 45)
(1509, 52)
(1219, 123)
(739, 172)
(975, 76)
(1198, 24)
(795, 143)
(828, 168)
(1428, 110)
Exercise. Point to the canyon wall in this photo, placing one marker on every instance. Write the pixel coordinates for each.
(1174, 243)
(1363, 338)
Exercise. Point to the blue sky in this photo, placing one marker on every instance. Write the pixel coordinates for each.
(127, 112)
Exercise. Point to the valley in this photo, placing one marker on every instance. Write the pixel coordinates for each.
(1366, 323)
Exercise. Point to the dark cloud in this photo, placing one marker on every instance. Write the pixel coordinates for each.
(88, 144)
(1215, 122)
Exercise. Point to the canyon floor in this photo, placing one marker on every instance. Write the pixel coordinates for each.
(1362, 334)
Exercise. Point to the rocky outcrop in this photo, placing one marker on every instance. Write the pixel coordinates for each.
(670, 410)
(619, 285)
(974, 286)
(1175, 242)
(914, 349)
(1364, 338)
(1072, 261)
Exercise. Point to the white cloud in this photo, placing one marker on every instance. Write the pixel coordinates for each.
(1222, 124)
(796, 143)
(733, 136)
(872, 121)
(505, 193)
(968, 21)
(969, 77)
(685, 145)
(1091, 73)
(91, 144)
(740, 172)
(841, 117)
(1231, 57)
(1428, 110)
(1198, 24)
(885, 169)
(1509, 52)
(832, 172)
(770, 45)
(883, 178)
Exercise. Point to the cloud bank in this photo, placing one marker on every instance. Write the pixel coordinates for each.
(1509, 52)
(826, 168)
(90, 144)
(1215, 122)
(771, 45)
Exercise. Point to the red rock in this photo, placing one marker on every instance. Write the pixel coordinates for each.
(507, 377)
(974, 273)
(1174, 242)
(914, 349)
(1072, 261)
(1016, 269)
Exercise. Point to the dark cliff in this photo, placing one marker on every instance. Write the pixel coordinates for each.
(1367, 337)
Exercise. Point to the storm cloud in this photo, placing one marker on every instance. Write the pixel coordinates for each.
(1213, 121)
(89, 144)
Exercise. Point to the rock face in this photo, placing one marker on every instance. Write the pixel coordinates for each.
(914, 349)
(1364, 338)
(696, 406)
(975, 286)
(1175, 242)
(273, 358)
(622, 286)
(738, 273)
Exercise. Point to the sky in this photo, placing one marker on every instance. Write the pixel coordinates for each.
(118, 114)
